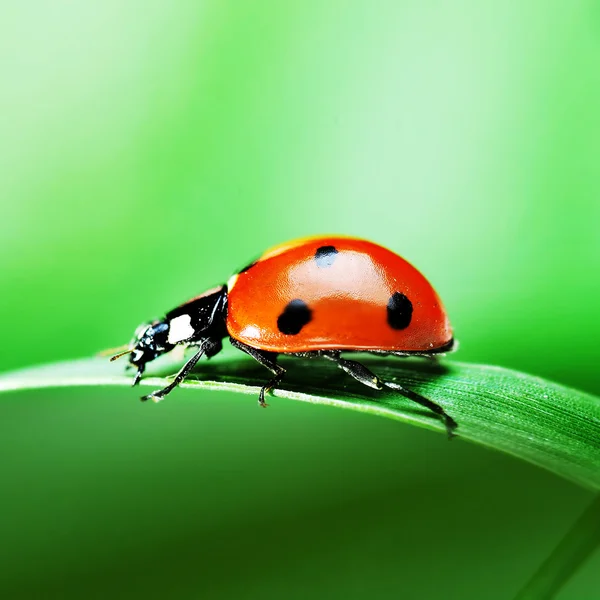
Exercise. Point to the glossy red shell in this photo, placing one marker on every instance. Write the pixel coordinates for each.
(347, 299)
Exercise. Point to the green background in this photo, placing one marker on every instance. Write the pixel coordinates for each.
(148, 149)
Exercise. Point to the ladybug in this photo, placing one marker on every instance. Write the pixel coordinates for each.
(314, 297)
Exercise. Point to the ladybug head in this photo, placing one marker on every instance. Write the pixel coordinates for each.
(150, 340)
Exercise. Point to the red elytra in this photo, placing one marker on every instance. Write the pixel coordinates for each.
(347, 284)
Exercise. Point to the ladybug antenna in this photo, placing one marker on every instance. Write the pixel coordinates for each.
(121, 351)
(128, 351)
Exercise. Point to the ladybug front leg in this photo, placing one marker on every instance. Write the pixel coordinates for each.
(183, 373)
(366, 377)
(266, 359)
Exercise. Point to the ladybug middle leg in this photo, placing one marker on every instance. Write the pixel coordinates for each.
(356, 370)
(266, 359)
(366, 377)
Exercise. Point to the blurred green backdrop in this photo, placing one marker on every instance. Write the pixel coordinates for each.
(150, 148)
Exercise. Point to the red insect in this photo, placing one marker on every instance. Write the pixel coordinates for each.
(313, 297)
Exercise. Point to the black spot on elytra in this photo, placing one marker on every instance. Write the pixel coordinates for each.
(294, 317)
(399, 311)
(325, 256)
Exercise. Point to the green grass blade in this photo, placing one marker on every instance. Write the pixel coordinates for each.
(547, 424)
(574, 549)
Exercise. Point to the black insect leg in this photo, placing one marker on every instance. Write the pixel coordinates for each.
(183, 373)
(356, 370)
(138, 374)
(449, 422)
(366, 377)
(266, 359)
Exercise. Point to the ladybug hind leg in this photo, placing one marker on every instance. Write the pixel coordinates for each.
(266, 359)
(449, 422)
(368, 378)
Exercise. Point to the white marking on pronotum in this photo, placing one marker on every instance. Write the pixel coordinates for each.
(180, 328)
(231, 282)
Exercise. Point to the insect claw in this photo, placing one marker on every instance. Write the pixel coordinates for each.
(137, 377)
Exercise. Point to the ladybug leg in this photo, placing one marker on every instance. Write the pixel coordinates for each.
(207, 346)
(449, 422)
(138, 374)
(266, 359)
(366, 377)
(183, 373)
(273, 383)
(356, 370)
